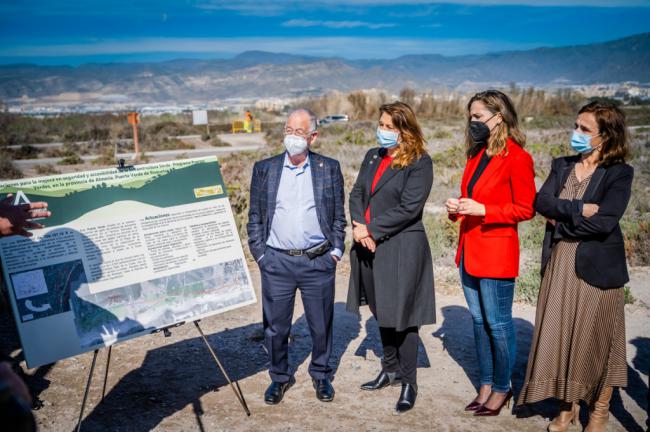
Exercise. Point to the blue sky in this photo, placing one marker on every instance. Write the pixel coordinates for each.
(75, 31)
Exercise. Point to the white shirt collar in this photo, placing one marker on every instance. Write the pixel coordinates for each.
(291, 166)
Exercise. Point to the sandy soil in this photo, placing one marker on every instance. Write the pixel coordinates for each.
(171, 384)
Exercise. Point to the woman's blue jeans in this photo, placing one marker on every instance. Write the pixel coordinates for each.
(490, 303)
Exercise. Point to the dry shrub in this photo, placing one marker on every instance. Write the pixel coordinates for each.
(7, 169)
(46, 169)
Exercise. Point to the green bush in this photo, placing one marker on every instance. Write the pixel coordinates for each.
(629, 298)
(107, 157)
(216, 142)
(274, 135)
(443, 236)
(528, 283)
(531, 237)
(167, 143)
(357, 137)
(637, 241)
(71, 159)
(451, 157)
(25, 152)
(531, 233)
(441, 134)
(165, 126)
(555, 149)
(7, 169)
(47, 169)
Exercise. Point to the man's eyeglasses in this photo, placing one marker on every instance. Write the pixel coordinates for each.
(298, 132)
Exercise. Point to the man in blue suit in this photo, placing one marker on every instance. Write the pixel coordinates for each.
(296, 233)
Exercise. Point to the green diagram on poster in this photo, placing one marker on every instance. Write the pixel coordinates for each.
(125, 253)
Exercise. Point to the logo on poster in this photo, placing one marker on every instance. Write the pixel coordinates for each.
(21, 198)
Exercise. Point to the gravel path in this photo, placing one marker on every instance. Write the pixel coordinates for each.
(171, 384)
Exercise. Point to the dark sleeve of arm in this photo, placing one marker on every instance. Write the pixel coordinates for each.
(255, 222)
(610, 209)
(339, 210)
(414, 197)
(356, 194)
(551, 207)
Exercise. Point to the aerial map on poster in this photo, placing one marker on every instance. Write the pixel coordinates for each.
(125, 253)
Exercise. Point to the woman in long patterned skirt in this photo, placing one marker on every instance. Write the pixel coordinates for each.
(578, 349)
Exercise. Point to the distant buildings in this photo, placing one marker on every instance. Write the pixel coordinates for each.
(625, 92)
(621, 91)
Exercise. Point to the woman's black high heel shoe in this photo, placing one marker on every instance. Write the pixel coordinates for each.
(473, 405)
(484, 411)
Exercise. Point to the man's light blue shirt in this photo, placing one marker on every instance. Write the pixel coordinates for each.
(295, 222)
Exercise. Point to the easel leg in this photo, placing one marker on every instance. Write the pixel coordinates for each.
(235, 385)
(83, 403)
(108, 363)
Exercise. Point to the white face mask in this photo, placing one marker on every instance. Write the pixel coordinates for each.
(295, 145)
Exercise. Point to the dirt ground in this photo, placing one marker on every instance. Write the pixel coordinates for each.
(171, 384)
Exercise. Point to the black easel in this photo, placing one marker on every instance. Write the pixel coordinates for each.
(234, 385)
(121, 167)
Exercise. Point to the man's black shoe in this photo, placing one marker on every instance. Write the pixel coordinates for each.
(276, 390)
(324, 389)
(384, 379)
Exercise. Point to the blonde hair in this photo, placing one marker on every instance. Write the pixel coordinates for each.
(413, 142)
(497, 103)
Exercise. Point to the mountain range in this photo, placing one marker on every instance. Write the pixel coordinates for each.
(258, 74)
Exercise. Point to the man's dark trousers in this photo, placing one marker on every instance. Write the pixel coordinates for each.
(282, 274)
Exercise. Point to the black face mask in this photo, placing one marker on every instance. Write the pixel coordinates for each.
(479, 132)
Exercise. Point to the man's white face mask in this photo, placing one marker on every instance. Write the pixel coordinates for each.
(295, 144)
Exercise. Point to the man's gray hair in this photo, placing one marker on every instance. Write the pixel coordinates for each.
(313, 119)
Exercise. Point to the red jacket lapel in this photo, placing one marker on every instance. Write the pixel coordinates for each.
(496, 163)
(470, 167)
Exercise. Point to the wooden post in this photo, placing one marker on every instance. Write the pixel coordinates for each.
(134, 119)
(136, 143)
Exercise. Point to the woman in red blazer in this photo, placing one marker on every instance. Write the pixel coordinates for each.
(497, 192)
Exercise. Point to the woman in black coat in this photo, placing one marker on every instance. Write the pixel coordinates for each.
(578, 349)
(391, 263)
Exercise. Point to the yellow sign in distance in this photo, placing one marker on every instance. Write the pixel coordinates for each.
(208, 191)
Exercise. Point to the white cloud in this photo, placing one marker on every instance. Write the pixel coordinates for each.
(263, 8)
(336, 24)
(255, 7)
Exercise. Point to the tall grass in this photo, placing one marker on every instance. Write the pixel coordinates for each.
(546, 118)
(542, 106)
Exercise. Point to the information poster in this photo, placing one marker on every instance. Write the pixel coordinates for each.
(125, 253)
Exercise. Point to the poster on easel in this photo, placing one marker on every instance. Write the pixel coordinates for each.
(126, 252)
